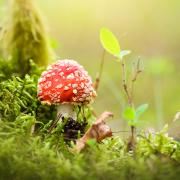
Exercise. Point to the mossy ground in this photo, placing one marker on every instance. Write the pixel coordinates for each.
(41, 155)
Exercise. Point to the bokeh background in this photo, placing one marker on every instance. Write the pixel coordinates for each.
(149, 28)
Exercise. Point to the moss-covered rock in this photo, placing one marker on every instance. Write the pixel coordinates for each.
(24, 36)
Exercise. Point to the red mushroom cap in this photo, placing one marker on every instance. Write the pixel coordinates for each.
(65, 82)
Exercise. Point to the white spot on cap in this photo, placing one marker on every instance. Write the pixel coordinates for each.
(84, 95)
(47, 84)
(74, 91)
(66, 88)
(81, 78)
(74, 99)
(86, 91)
(59, 86)
(70, 76)
(74, 85)
(44, 73)
(48, 75)
(42, 79)
(61, 73)
(49, 67)
(82, 85)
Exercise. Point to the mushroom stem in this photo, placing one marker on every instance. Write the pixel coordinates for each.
(66, 111)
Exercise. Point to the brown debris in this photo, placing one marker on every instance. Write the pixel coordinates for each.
(98, 131)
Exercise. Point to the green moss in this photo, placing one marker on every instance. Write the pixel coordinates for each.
(46, 156)
(26, 157)
(24, 36)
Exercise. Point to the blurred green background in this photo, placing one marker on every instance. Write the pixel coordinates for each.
(150, 28)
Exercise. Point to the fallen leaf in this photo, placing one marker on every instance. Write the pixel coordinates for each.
(98, 131)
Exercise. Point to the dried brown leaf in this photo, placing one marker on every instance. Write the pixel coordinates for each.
(98, 131)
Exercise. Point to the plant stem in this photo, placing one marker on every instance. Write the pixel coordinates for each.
(98, 78)
(136, 71)
(64, 111)
(129, 94)
(132, 131)
(124, 82)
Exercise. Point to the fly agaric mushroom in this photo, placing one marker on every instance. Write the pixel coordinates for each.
(66, 84)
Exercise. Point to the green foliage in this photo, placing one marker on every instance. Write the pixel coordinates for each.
(158, 144)
(7, 69)
(18, 96)
(129, 113)
(132, 115)
(109, 42)
(25, 157)
(29, 151)
(19, 102)
(47, 156)
(141, 109)
(24, 36)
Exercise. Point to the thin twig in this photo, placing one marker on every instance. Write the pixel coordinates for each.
(129, 94)
(136, 71)
(98, 78)
(124, 82)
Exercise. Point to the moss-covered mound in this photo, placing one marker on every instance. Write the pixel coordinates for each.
(24, 36)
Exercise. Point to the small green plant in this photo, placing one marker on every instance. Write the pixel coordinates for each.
(131, 114)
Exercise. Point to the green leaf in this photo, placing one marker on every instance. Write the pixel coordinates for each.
(109, 42)
(129, 113)
(124, 53)
(141, 109)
